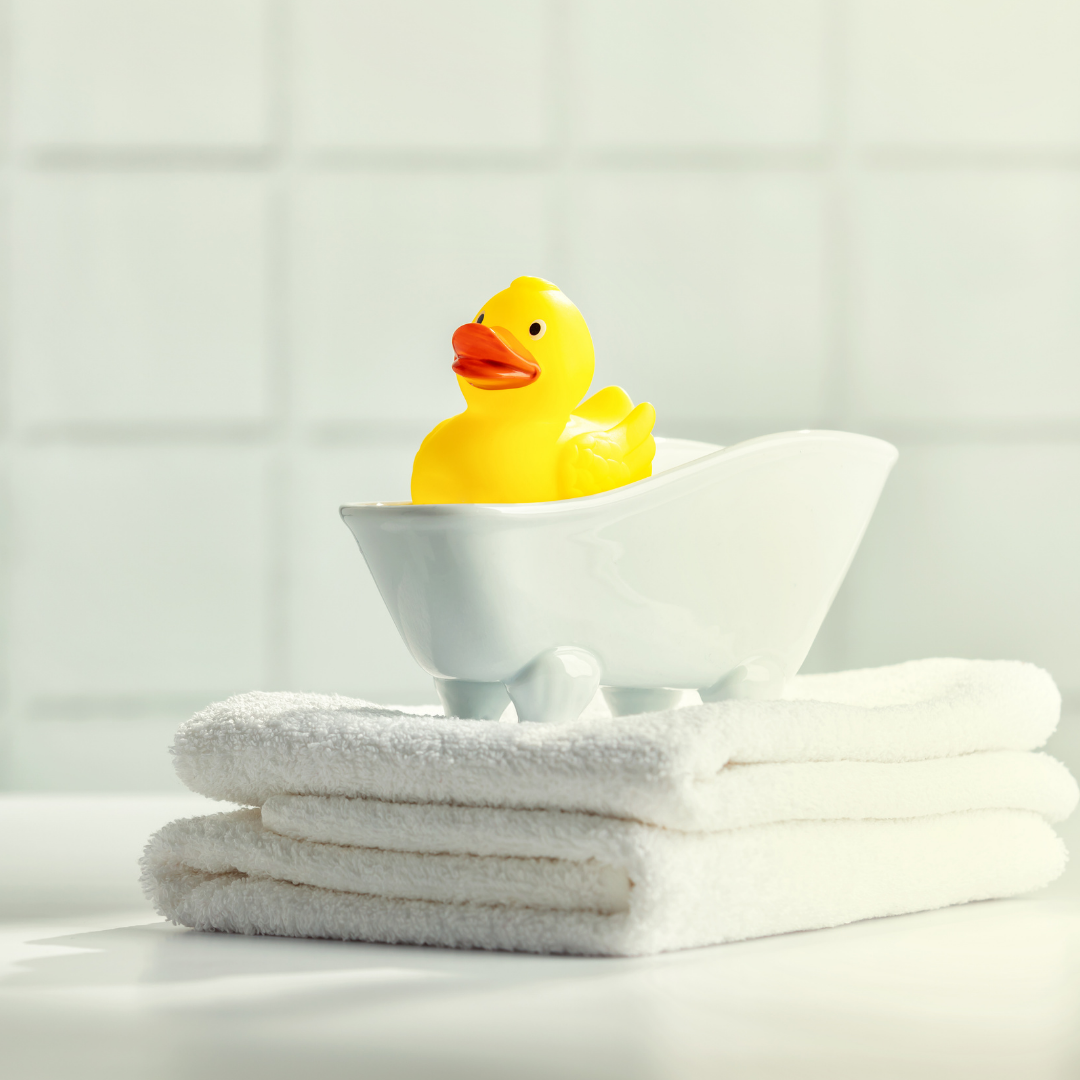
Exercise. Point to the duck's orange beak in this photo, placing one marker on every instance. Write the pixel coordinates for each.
(491, 358)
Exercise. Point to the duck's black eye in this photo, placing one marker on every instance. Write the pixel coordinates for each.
(536, 330)
(480, 317)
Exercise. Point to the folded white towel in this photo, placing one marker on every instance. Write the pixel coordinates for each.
(862, 794)
(741, 795)
(641, 890)
(666, 768)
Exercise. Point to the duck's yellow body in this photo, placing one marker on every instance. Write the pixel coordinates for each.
(524, 364)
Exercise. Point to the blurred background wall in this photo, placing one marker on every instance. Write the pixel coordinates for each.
(238, 234)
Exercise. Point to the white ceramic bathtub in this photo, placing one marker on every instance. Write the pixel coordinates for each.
(714, 574)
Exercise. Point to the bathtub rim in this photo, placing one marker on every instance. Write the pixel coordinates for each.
(779, 441)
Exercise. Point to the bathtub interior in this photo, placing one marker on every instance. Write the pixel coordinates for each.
(671, 453)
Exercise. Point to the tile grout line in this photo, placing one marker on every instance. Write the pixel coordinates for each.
(280, 379)
(839, 273)
(7, 724)
(839, 180)
(561, 169)
(718, 158)
(948, 430)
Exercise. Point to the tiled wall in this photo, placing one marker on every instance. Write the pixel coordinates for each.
(237, 235)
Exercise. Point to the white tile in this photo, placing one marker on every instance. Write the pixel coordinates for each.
(705, 294)
(422, 73)
(975, 72)
(140, 298)
(5, 83)
(388, 266)
(138, 572)
(343, 639)
(966, 296)
(688, 72)
(141, 72)
(972, 552)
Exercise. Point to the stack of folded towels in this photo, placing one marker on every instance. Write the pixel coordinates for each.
(860, 794)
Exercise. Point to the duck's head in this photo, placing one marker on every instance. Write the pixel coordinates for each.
(527, 352)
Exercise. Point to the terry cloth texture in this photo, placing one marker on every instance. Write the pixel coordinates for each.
(860, 794)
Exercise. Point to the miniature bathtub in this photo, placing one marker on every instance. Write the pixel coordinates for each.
(714, 574)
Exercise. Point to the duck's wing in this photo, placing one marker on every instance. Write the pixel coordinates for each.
(599, 460)
(605, 408)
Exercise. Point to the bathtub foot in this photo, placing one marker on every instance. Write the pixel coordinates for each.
(759, 679)
(630, 700)
(556, 686)
(472, 700)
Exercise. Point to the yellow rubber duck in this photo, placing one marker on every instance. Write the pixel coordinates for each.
(523, 365)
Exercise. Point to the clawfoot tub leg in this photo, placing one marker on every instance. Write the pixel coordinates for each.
(472, 700)
(556, 686)
(631, 700)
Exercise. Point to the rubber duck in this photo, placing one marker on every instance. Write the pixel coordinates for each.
(524, 364)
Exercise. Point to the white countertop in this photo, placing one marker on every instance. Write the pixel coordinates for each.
(93, 984)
